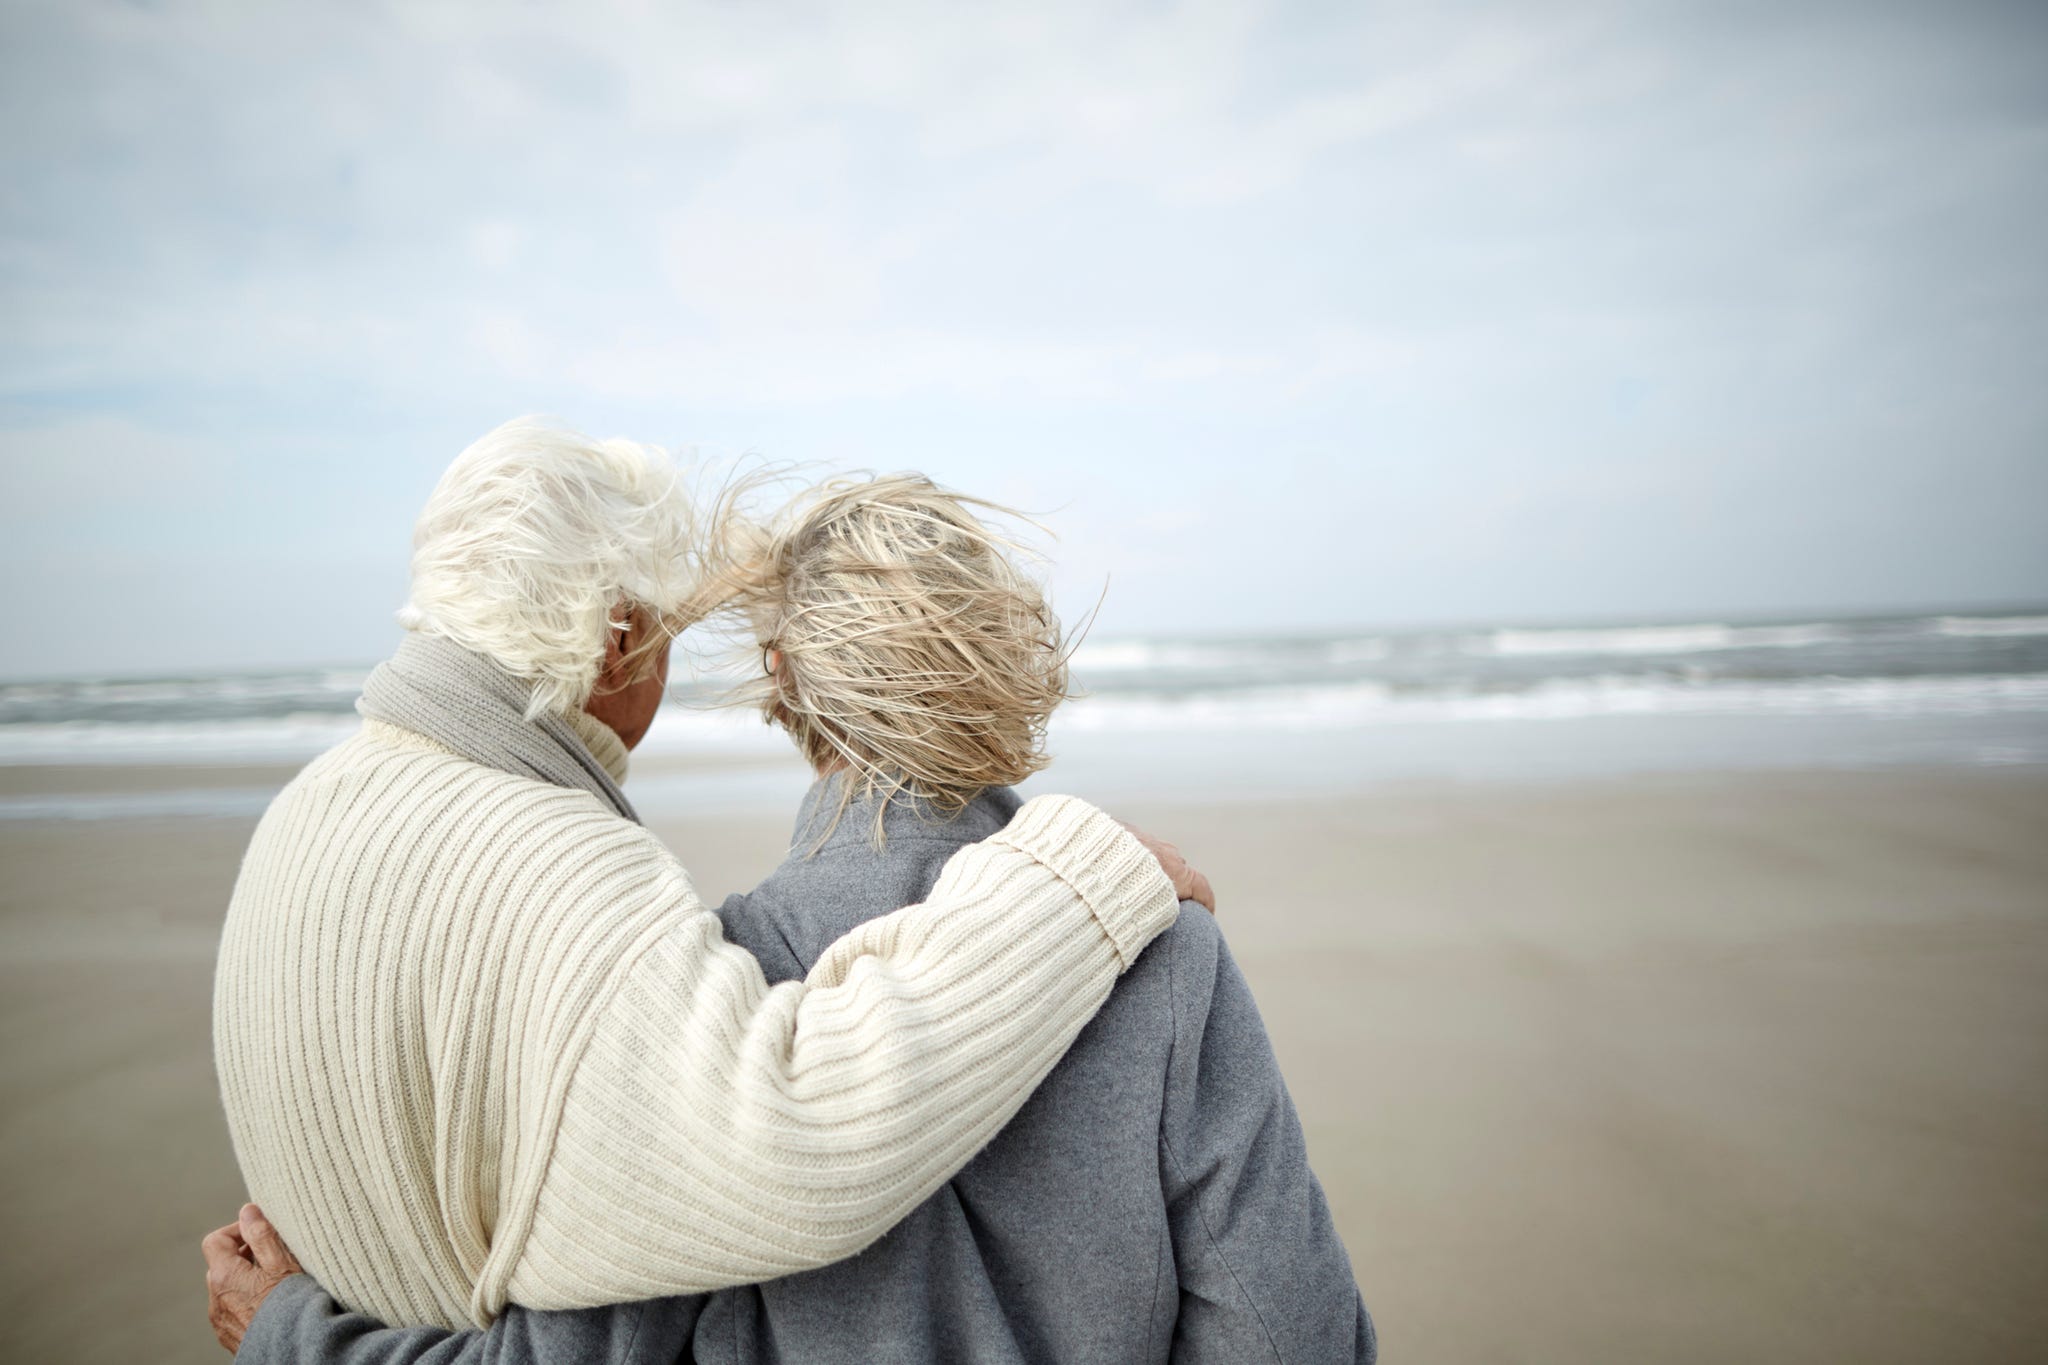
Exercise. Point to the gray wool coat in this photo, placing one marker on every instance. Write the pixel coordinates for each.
(1152, 1201)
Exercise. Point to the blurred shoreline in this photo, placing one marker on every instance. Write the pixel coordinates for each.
(1334, 714)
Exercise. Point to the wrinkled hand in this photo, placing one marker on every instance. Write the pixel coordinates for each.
(244, 1262)
(1188, 884)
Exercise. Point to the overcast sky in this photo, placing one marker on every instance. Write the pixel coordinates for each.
(1283, 317)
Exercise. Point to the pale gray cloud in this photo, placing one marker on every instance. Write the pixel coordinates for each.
(1296, 314)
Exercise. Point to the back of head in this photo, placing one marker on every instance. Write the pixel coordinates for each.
(536, 537)
(912, 649)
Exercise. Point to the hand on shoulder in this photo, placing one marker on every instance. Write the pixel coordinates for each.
(1188, 884)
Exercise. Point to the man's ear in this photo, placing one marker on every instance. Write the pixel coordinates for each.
(616, 644)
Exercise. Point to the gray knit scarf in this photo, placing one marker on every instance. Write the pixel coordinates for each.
(436, 688)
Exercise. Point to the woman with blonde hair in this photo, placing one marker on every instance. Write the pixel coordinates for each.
(1151, 1202)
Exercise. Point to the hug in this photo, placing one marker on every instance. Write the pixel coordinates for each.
(966, 1078)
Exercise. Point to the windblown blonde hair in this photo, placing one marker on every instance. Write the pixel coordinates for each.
(914, 652)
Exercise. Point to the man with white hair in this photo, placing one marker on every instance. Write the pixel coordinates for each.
(479, 1041)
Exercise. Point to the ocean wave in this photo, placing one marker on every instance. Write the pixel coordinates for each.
(1371, 649)
(236, 803)
(726, 732)
(273, 739)
(1145, 656)
(1361, 704)
(1116, 657)
(1478, 659)
(1703, 638)
(1991, 626)
(296, 738)
(683, 731)
(1898, 665)
(228, 697)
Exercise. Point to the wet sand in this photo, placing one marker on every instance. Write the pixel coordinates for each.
(1741, 1067)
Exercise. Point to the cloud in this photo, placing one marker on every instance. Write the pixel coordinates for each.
(51, 470)
(1456, 265)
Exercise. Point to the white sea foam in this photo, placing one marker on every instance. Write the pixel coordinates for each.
(296, 738)
(681, 730)
(1112, 656)
(1652, 640)
(1110, 660)
(1138, 656)
(217, 803)
(684, 730)
(1917, 666)
(1992, 626)
(1362, 704)
(279, 739)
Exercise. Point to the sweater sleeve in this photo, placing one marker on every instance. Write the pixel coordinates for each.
(1263, 1275)
(719, 1132)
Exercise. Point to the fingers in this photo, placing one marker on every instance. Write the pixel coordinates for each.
(229, 1279)
(1188, 884)
(244, 1261)
(223, 1244)
(1169, 856)
(267, 1246)
(226, 1330)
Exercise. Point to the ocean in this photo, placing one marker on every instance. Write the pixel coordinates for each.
(1245, 716)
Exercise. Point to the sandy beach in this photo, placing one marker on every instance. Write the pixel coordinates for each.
(1686, 1069)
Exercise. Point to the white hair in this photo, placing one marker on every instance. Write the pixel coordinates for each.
(537, 538)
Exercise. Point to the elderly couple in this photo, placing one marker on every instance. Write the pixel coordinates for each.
(510, 1092)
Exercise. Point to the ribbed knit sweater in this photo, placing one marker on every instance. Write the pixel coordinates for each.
(479, 1041)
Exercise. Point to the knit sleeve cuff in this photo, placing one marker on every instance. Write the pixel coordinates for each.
(1121, 884)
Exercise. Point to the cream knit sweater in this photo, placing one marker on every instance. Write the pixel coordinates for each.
(479, 1041)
